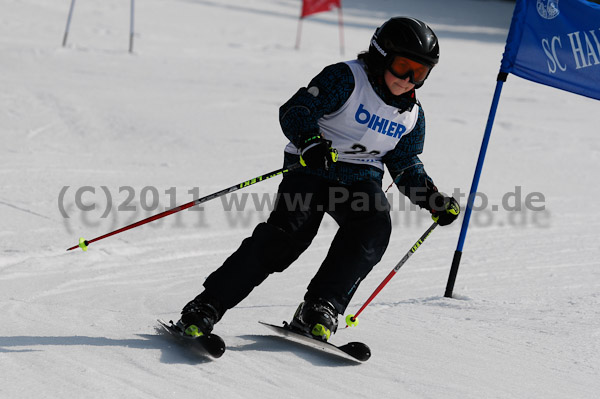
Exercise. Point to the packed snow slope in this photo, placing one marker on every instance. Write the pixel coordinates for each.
(193, 110)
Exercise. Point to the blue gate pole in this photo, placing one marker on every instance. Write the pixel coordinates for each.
(465, 224)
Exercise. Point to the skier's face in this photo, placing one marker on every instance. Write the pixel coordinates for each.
(396, 85)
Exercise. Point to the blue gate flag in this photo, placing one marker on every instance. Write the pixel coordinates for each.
(556, 43)
(549, 43)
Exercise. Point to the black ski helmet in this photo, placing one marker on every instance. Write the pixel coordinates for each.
(404, 36)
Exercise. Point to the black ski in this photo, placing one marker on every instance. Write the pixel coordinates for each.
(353, 350)
(210, 344)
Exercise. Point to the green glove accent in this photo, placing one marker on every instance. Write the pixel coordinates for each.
(449, 214)
(316, 152)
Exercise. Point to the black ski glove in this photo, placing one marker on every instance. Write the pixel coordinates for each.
(316, 152)
(444, 210)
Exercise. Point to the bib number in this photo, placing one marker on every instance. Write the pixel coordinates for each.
(361, 149)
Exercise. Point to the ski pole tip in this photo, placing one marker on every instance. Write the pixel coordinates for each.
(351, 320)
(83, 244)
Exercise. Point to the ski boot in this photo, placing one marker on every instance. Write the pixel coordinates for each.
(318, 319)
(198, 317)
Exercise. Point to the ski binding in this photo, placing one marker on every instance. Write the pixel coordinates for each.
(209, 344)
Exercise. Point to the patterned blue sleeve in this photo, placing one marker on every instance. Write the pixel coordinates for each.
(325, 94)
(406, 168)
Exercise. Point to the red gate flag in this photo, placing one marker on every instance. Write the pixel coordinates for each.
(315, 6)
(310, 7)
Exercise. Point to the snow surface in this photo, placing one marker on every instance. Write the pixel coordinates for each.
(195, 107)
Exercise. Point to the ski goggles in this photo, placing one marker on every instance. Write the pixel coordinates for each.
(402, 68)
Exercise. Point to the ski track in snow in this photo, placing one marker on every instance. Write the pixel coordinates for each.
(196, 106)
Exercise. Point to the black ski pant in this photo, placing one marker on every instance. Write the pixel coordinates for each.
(362, 213)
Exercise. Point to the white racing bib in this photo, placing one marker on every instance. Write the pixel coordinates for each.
(365, 128)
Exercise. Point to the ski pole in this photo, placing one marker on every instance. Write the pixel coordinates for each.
(352, 320)
(83, 243)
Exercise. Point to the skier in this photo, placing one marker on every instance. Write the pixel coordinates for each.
(352, 119)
